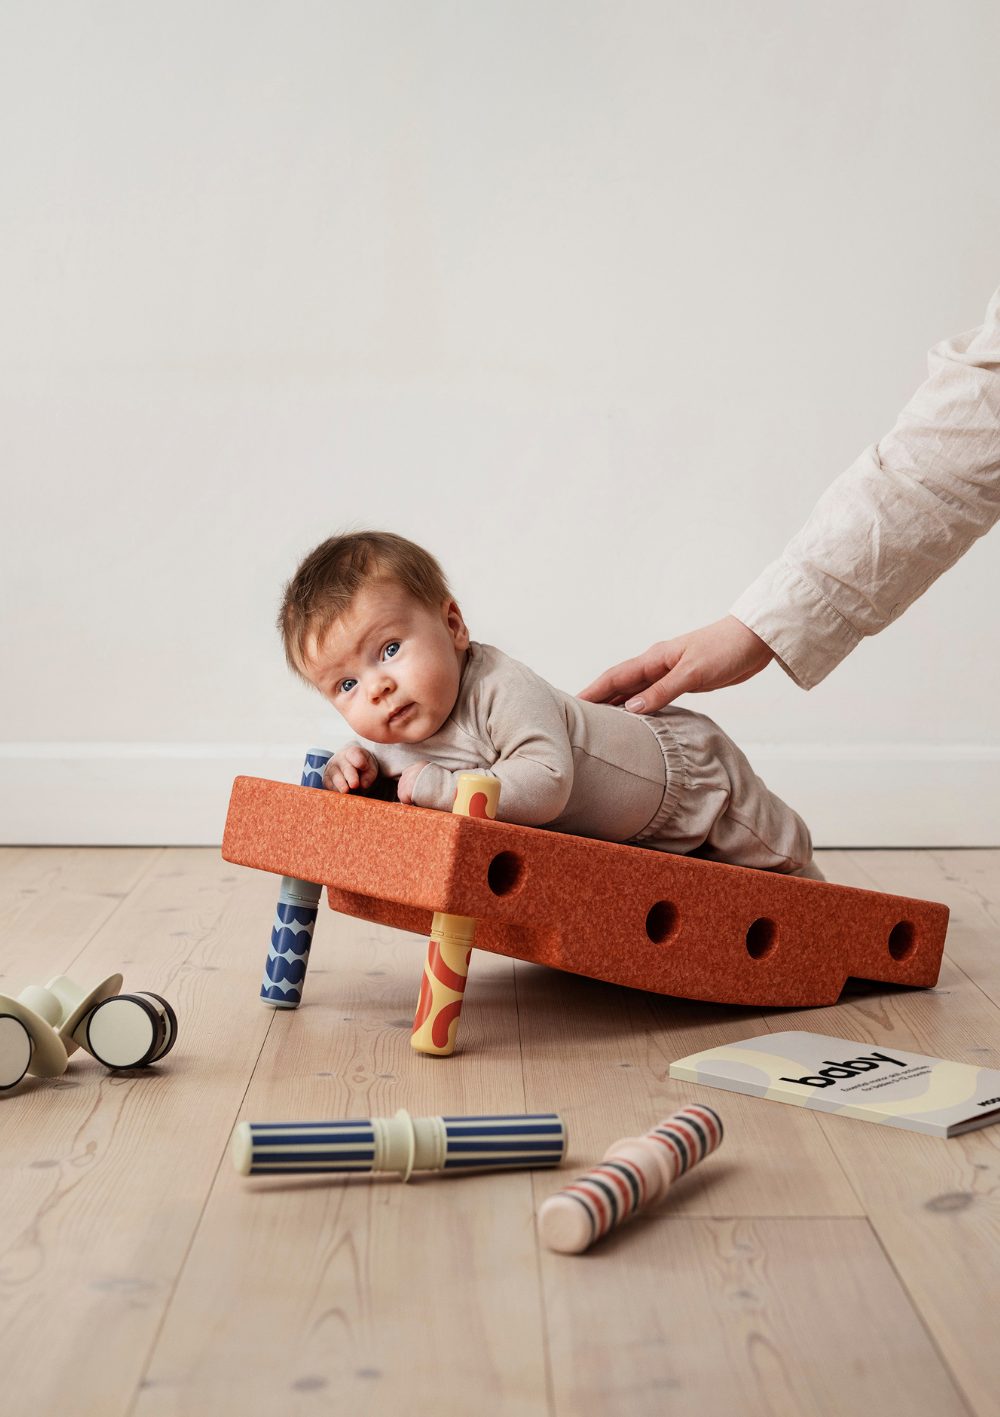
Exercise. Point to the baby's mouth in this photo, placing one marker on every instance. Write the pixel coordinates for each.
(397, 715)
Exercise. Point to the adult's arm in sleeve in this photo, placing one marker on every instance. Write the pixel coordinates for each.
(904, 512)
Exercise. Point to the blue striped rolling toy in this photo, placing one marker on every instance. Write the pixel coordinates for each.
(294, 918)
(401, 1143)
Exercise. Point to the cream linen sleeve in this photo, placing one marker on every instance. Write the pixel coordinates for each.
(904, 512)
(527, 728)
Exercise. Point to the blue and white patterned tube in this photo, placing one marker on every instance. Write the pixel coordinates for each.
(294, 918)
(401, 1143)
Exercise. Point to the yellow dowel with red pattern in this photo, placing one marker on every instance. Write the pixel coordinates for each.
(447, 966)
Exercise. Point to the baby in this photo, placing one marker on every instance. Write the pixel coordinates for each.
(368, 619)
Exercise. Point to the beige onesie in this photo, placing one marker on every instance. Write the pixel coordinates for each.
(672, 780)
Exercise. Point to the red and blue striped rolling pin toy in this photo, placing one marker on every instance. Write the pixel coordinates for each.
(634, 1174)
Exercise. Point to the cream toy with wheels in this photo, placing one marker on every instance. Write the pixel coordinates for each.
(44, 1025)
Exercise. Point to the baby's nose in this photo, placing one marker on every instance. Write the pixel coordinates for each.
(381, 684)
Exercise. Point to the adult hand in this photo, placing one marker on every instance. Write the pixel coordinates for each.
(713, 657)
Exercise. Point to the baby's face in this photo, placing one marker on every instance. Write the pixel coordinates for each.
(390, 665)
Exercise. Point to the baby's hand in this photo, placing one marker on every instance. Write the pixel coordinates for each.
(351, 768)
(407, 781)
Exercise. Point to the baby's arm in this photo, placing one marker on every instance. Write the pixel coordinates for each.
(349, 769)
(407, 778)
(527, 727)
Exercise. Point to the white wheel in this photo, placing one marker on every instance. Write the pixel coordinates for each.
(15, 1050)
(125, 1032)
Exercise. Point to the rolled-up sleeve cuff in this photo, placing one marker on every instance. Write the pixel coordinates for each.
(809, 637)
(434, 787)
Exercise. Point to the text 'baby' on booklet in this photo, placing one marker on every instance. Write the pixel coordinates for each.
(853, 1079)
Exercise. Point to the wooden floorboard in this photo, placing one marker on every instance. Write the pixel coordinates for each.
(816, 1264)
(934, 1205)
(106, 1175)
(617, 1044)
(374, 1294)
(765, 1316)
(53, 900)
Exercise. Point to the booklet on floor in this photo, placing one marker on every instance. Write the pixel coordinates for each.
(875, 1084)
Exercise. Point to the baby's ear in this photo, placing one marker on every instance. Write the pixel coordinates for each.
(456, 625)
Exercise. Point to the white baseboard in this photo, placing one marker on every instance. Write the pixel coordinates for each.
(903, 795)
(129, 794)
(176, 794)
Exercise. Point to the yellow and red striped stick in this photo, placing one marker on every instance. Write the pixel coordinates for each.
(446, 970)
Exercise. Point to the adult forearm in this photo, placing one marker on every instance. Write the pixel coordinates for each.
(904, 512)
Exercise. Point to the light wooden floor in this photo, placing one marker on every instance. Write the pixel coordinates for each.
(814, 1265)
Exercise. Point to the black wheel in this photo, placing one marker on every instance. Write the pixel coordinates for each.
(171, 1022)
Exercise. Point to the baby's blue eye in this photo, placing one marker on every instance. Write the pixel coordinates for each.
(391, 648)
(346, 685)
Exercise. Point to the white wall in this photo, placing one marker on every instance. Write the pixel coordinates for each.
(591, 298)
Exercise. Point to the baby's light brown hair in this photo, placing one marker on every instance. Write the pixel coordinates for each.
(325, 584)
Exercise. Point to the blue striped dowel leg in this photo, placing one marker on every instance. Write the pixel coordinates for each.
(401, 1143)
(635, 1173)
(294, 918)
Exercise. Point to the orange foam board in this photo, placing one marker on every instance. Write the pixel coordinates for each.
(624, 914)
